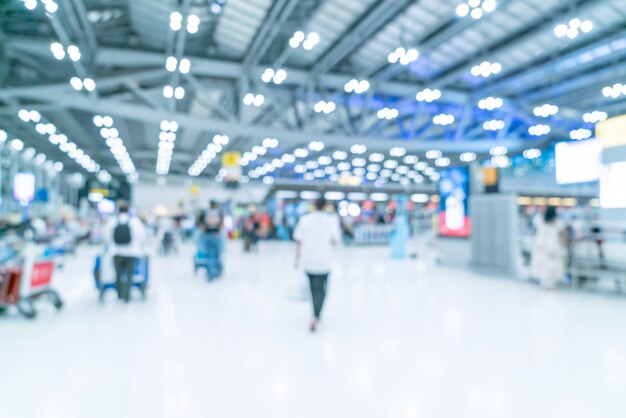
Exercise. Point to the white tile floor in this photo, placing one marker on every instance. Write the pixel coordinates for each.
(399, 339)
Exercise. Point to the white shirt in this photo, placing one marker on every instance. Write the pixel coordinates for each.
(317, 233)
(137, 237)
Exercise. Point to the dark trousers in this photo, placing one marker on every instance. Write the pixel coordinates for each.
(318, 284)
(124, 272)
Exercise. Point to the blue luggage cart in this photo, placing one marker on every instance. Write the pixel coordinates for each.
(140, 278)
(210, 262)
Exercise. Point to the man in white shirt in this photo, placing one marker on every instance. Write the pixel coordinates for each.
(316, 234)
(125, 238)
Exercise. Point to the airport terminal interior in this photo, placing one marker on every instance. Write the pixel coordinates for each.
(312, 208)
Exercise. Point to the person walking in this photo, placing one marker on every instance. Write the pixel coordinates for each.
(316, 234)
(125, 238)
(547, 262)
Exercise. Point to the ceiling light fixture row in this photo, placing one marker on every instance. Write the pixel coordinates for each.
(176, 22)
(58, 139)
(50, 6)
(170, 92)
(30, 153)
(490, 103)
(167, 138)
(259, 150)
(539, 130)
(532, 153)
(443, 119)
(580, 134)
(116, 145)
(274, 76)
(428, 95)
(387, 113)
(595, 116)
(493, 125)
(573, 28)
(251, 99)
(614, 91)
(208, 155)
(171, 64)
(403, 56)
(356, 86)
(486, 69)
(476, 8)
(546, 110)
(59, 51)
(87, 84)
(308, 41)
(325, 107)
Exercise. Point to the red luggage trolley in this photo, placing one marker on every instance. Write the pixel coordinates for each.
(15, 291)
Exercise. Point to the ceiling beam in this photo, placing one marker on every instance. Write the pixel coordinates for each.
(518, 37)
(117, 58)
(155, 116)
(366, 25)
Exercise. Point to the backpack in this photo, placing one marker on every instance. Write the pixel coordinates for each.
(121, 234)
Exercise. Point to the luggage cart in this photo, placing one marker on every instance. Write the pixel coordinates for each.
(140, 278)
(210, 262)
(15, 291)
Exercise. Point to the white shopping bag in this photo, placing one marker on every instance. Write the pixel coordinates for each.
(299, 287)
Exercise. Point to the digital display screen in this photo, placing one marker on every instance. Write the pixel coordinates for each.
(578, 162)
(612, 186)
(454, 220)
(24, 187)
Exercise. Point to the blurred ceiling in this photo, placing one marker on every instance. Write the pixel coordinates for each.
(528, 59)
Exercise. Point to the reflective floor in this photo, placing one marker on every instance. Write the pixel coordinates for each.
(398, 339)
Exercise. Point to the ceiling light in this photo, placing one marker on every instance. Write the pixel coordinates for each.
(397, 151)
(89, 84)
(357, 86)
(581, 133)
(30, 4)
(490, 103)
(486, 69)
(467, 157)
(498, 150)
(475, 8)
(171, 64)
(433, 154)
(387, 113)
(573, 28)
(76, 83)
(494, 125)
(74, 53)
(428, 95)
(185, 66)
(539, 130)
(595, 117)
(532, 153)
(179, 93)
(377, 157)
(405, 57)
(17, 145)
(614, 91)
(545, 110)
(443, 119)
(316, 146)
(358, 149)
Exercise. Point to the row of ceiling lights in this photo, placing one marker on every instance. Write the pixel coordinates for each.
(29, 154)
(208, 155)
(116, 145)
(60, 140)
(167, 138)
